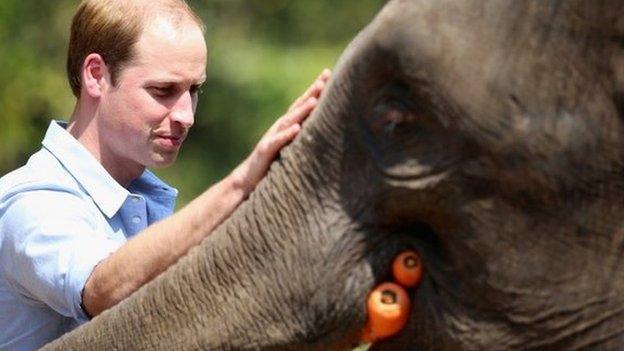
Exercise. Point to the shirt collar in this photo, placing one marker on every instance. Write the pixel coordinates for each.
(107, 194)
(148, 184)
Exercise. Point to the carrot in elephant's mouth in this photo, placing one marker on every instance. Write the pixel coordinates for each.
(407, 269)
(388, 309)
(389, 304)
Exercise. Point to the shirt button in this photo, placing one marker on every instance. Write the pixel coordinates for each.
(136, 219)
(135, 199)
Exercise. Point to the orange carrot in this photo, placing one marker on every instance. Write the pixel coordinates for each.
(388, 309)
(407, 269)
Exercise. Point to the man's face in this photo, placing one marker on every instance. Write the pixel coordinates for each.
(147, 115)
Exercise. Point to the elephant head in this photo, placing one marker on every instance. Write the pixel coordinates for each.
(487, 135)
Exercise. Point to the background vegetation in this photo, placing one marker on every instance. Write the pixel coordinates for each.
(263, 54)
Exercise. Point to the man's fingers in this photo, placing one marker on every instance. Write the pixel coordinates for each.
(270, 146)
(288, 126)
(325, 75)
(283, 131)
(298, 114)
(284, 137)
(314, 90)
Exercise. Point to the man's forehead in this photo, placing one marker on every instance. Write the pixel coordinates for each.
(162, 28)
(162, 35)
(168, 52)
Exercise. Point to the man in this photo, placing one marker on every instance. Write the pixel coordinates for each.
(82, 223)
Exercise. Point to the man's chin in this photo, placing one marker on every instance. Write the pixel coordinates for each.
(163, 160)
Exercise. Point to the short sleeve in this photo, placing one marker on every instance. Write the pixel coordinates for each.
(50, 243)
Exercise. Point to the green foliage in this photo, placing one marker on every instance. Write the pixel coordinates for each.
(263, 54)
(32, 79)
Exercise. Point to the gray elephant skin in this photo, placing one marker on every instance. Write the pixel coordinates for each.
(486, 134)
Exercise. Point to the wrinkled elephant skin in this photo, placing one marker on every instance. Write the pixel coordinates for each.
(486, 134)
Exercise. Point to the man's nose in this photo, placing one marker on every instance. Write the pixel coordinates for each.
(183, 111)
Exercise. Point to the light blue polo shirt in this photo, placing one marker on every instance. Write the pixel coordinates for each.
(60, 215)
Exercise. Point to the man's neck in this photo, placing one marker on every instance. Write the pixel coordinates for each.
(83, 126)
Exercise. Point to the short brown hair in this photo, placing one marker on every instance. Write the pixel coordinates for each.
(111, 28)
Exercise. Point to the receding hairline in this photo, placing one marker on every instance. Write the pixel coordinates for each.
(148, 11)
(176, 11)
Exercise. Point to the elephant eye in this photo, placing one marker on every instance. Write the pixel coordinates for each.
(406, 134)
(394, 112)
(396, 119)
(389, 118)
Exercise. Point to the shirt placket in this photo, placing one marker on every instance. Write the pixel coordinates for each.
(135, 214)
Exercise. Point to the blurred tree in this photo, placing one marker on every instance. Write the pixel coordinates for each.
(263, 54)
(32, 86)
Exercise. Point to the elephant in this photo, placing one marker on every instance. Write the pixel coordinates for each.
(487, 135)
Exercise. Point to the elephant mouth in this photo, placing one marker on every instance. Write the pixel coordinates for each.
(422, 239)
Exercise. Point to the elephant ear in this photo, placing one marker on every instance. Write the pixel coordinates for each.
(618, 65)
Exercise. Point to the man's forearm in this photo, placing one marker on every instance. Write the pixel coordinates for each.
(159, 246)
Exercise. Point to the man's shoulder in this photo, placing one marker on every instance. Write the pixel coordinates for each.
(41, 172)
(40, 189)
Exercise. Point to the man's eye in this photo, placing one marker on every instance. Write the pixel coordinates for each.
(162, 91)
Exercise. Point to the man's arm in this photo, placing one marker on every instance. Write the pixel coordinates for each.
(160, 245)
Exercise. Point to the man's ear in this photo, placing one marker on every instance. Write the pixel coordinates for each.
(94, 75)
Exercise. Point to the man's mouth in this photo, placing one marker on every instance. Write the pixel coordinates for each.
(169, 141)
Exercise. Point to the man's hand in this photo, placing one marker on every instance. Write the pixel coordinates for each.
(283, 131)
